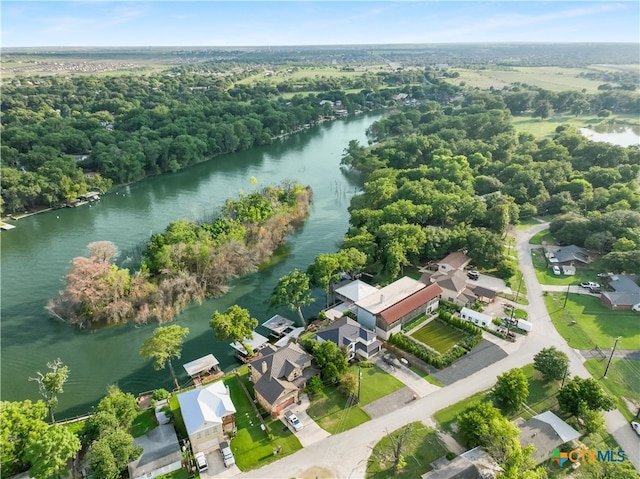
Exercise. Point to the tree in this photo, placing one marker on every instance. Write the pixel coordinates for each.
(552, 363)
(512, 388)
(49, 450)
(110, 454)
(392, 449)
(166, 343)
(121, 405)
(474, 423)
(349, 385)
(18, 420)
(51, 384)
(293, 291)
(235, 324)
(580, 394)
(330, 359)
(543, 110)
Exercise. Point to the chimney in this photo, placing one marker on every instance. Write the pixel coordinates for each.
(264, 367)
(382, 298)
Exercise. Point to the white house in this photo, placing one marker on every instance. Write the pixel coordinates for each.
(479, 319)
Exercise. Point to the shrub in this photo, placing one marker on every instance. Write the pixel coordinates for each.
(160, 394)
(365, 364)
(450, 455)
(314, 385)
(496, 321)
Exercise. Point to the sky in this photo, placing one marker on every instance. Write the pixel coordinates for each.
(269, 23)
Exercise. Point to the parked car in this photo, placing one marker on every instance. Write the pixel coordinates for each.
(474, 275)
(201, 461)
(292, 419)
(589, 285)
(556, 270)
(636, 427)
(227, 455)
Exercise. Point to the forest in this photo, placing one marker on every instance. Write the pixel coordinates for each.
(64, 136)
(442, 179)
(188, 262)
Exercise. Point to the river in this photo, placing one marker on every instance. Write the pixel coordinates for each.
(36, 255)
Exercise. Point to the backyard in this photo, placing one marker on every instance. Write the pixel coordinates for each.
(421, 447)
(622, 382)
(331, 410)
(439, 336)
(584, 322)
(545, 274)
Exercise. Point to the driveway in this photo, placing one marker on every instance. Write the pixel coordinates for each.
(417, 383)
(482, 356)
(490, 282)
(217, 468)
(311, 432)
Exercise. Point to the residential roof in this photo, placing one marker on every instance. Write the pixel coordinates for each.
(160, 447)
(571, 253)
(205, 363)
(627, 292)
(475, 463)
(345, 331)
(475, 314)
(405, 306)
(390, 295)
(356, 290)
(483, 292)
(455, 280)
(546, 431)
(455, 260)
(258, 341)
(205, 407)
(279, 364)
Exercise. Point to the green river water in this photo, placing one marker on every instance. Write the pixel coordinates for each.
(36, 255)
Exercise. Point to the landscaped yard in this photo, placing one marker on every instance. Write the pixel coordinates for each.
(585, 322)
(375, 383)
(422, 447)
(622, 382)
(541, 236)
(144, 422)
(439, 336)
(545, 274)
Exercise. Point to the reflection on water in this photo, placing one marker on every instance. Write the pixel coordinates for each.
(36, 255)
(622, 135)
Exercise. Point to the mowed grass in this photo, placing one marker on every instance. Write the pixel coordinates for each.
(333, 413)
(252, 446)
(421, 447)
(375, 383)
(144, 422)
(439, 336)
(545, 274)
(584, 322)
(622, 382)
(542, 236)
(546, 128)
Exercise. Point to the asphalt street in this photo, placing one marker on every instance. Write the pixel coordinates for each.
(344, 455)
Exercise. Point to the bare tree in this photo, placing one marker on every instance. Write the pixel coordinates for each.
(393, 451)
(51, 384)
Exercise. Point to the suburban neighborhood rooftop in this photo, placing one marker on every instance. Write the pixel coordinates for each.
(389, 295)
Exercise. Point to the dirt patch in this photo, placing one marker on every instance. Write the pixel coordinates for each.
(317, 472)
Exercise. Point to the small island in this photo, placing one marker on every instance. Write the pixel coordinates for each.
(186, 263)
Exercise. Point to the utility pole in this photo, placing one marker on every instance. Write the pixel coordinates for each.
(566, 296)
(519, 284)
(359, 381)
(611, 357)
(566, 370)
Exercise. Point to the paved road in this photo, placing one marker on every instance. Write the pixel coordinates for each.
(344, 455)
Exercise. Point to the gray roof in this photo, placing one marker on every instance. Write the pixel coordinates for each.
(279, 363)
(627, 292)
(205, 363)
(546, 431)
(345, 331)
(160, 447)
(570, 253)
(483, 292)
(475, 463)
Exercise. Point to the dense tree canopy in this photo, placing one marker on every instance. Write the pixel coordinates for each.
(163, 345)
(235, 324)
(552, 363)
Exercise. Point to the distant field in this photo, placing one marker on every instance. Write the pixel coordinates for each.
(549, 78)
(546, 128)
(313, 72)
(439, 336)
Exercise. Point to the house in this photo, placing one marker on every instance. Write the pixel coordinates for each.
(453, 261)
(625, 294)
(208, 414)
(386, 310)
(350, 293)
(348, 334)
(457, 289)
(279, 375)
(475, 317)
(475, 463)
(161, 453)
(568, 255)
(546, 431)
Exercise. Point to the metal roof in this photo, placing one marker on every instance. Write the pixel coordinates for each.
(197, 366)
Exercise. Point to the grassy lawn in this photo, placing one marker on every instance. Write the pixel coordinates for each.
(144, 422)
(75, 427)
(547, 127)
(439, 336)
(375, 383)
(427, 377)
(412, 272)
(545, 274)
(622, 382)
(447, 417)
(525, 224)
(330, 410)
(415, 322)
(178, 422)
(585, 323)
(541, 236)
(422, 447)
(252, 446)
(179, 474)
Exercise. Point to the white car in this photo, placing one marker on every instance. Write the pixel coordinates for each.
(556, 270)
(589, 285)
(636, 427)
(201, 461)
(293, 420)
(227, 455)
